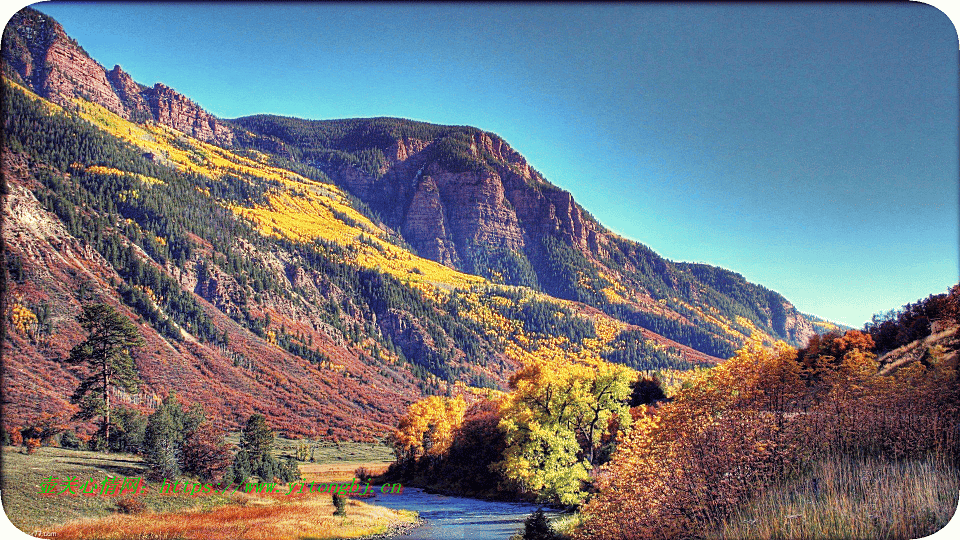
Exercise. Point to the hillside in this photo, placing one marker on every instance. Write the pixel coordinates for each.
(323, 273)
(466, 199)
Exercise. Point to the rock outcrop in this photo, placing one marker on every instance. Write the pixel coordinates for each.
(445, 215)
(42, 57)
(130, 93)
(175, 110)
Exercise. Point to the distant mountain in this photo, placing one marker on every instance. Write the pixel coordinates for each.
(324, 273)
(466, 199)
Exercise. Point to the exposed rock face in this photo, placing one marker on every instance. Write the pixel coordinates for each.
(795, 325)
(425, 225)
(173, 109)
(129, 92)
(221, 290)
(445, 215)
(407, 332)
(53, 64)
(42, 57)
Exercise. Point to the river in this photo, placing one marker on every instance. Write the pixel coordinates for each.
(448, 517)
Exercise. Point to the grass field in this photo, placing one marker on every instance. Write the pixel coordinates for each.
(337, 472)
(237, 515)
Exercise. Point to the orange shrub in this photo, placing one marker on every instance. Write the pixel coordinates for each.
(16, 438)
(760, 417)
(31, 444)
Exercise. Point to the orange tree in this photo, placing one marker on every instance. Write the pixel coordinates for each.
(428, 427)
(699, 455)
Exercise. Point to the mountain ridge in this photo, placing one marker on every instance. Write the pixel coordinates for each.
(504, 198)
(43, 57)
(264, 264)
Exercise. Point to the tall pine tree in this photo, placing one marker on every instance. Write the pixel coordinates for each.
(107, 351)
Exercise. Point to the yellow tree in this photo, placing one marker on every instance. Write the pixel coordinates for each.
(428, 427)
(554, 421)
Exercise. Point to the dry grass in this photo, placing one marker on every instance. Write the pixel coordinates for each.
(852, 498)
(29, 510)
(276, 518)
(179, 516)
(338, 472)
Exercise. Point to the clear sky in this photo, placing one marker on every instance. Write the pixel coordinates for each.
(812, 148)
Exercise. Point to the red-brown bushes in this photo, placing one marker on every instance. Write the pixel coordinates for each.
(760, 417)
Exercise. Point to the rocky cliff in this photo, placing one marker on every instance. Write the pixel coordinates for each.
(466, 199)
(447, 214)
(40, 55)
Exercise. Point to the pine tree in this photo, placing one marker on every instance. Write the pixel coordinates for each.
(536, 527)
(340, 505)
(257, 437)
(107, 351)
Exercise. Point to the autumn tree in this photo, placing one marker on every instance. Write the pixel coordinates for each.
(555, 421)
(713, 445)
(428, 427)
(204, 453)
(42, 430)
(107, 352)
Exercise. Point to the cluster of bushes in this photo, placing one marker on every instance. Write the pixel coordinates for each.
(765, 417)
(538, 442)
(173, 441)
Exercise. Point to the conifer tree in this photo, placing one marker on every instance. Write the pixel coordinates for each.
(107, 350)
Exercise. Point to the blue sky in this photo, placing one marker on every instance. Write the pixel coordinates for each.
(812, 148)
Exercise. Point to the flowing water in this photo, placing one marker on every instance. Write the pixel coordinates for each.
(447, 517)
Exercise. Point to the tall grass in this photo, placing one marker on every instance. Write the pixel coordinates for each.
(851, 498)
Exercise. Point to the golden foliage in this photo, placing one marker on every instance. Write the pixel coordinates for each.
(557, 419)
(24, 320)
(428, 427)
(759, 417)
(298, 208)
(100, 169)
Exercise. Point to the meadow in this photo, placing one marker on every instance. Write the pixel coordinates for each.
(159, 516)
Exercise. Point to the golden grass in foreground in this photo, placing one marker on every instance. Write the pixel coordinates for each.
(852, 498)
(263, 518)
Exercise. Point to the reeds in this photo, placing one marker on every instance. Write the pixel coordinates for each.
(853, 498)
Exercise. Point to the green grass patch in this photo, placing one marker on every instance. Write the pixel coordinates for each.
(31, 511)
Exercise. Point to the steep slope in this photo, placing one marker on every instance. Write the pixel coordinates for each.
(325, 274)
(238, 320)
(466, 199)
(38, 54)
(457, 195)
(257, 289)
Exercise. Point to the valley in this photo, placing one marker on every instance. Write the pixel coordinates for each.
(272, 301)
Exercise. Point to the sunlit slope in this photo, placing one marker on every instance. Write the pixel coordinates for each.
(283, 204)
(295, 207)
(302, 209)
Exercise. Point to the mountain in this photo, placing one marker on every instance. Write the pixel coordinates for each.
(323, 273)
(466, 199)
(41, 56)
